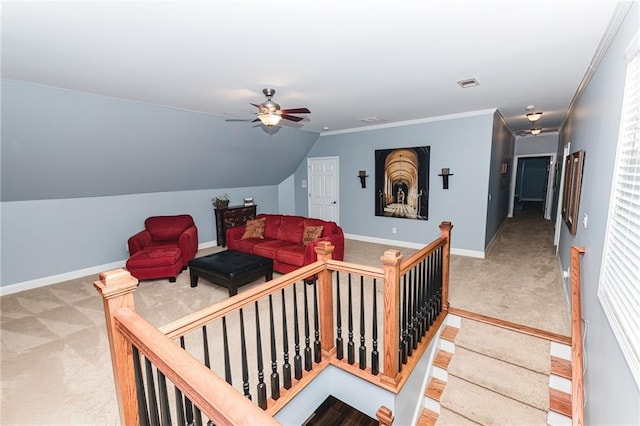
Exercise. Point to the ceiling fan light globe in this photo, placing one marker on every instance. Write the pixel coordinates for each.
(269, 119)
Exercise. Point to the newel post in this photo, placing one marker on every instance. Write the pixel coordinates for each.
(116, 288)
(391, 260)
(324, 250)
(445, 232)
(385, 416)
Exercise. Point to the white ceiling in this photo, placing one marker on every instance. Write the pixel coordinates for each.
(344, 60)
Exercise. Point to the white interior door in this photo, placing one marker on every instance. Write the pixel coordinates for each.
(323, 181)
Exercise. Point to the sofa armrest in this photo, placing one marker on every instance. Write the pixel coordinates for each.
(138, 242)
(337, 241)
(235, 233)
(188, 244)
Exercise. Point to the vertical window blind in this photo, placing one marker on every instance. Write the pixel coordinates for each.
(619, 287)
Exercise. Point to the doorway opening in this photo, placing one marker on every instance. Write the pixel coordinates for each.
(532, 184)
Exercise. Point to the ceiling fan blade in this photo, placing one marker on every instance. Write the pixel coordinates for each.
(296, 111)
(255, 105)
(291, 117)
(257, 119)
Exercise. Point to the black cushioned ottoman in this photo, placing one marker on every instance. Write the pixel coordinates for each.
(230, 269)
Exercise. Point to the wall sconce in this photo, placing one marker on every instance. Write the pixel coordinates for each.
(445, 177)
(362, 174)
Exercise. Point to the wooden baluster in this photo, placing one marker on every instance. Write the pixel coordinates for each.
(404, 348)
(187, 402)
(243, 350)
(316, 324)
(350, 345)
(391, 263)
(375, 363)
(424, 300)
(415, 308)
(339, 342)
(307, 339)
(116, 289)
(180, 419)
(438, 268)
(297, 359)
(152, 400)
(142, 404)
(275, 378)
(165, 411)
(433, 306)
(225, 350)
(261, 387)
(362, 358)
(286, 367)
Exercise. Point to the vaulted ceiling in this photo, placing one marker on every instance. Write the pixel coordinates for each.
(345, 61)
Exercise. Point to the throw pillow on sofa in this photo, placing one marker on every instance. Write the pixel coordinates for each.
(311, 233)
(254, 229)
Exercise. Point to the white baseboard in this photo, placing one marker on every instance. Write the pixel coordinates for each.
(72, 275)
(53, 279)
(417, 246)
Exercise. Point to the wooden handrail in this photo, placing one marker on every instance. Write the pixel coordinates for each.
(201, 385)
(126, 327)
(577, 383)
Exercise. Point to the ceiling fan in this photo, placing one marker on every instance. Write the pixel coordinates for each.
(270, 113)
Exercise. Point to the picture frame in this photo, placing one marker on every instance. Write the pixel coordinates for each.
(574, 165)
(402, 182)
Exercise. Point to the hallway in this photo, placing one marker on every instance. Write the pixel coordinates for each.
(519, 280)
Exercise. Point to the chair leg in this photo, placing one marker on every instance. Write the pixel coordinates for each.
(172, 279)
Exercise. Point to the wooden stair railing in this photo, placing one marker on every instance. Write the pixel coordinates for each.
(577, 380)
(414, 304)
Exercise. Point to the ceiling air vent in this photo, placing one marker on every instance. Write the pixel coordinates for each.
(470, 82)
(372, 119)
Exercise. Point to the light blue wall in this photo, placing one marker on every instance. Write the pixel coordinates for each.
(498, 188)
(541, 144)
(81, 172)
(50, 237)
(612, 394)
(462, 144)
(65, 144)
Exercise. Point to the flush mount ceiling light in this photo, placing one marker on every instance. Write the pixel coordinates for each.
(534, 116)
(535, 131)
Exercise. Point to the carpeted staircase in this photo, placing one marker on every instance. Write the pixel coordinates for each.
(489, 375)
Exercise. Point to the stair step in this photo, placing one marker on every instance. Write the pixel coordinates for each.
(435, 389)
(561, 367)
(518, 383)
(449, 333)
(560, 402)
(486, 407)
(427, 418)
(448, 417)
(515, 348)
(442, 360)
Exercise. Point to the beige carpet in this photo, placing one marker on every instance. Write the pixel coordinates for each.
(518, 281)
(496, 377)
(55, 366)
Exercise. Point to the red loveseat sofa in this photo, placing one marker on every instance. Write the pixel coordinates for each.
(282, 241)
(164, 248)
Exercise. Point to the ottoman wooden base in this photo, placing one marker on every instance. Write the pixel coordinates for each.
(230, 269)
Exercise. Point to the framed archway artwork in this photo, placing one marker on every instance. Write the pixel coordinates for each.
(402, 182)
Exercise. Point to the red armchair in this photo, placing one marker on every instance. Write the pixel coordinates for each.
(164, 248)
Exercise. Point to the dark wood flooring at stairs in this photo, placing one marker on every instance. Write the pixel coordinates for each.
(336, 413)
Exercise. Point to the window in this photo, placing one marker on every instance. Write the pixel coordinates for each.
(619, 289)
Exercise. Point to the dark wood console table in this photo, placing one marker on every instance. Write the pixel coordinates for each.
(230, 217)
